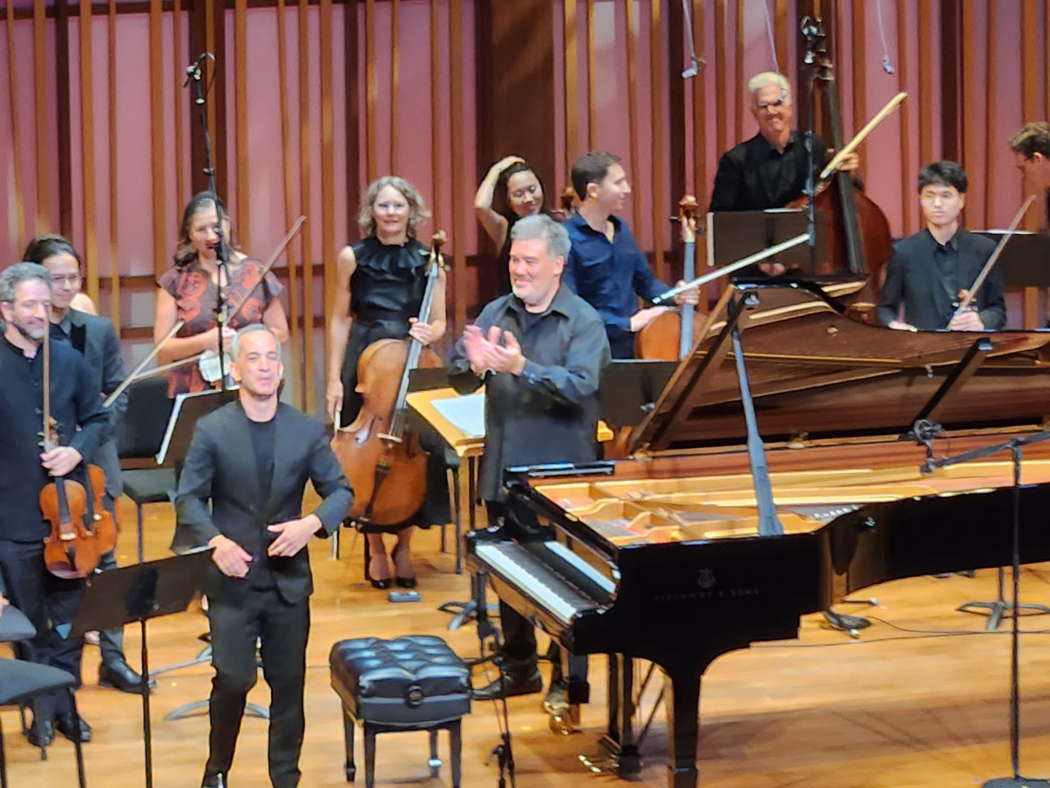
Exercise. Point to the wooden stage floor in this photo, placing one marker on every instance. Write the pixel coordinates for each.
(919, 700)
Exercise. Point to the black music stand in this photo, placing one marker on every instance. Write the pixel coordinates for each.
(1025, 261)
(138, 593)
(733, 235)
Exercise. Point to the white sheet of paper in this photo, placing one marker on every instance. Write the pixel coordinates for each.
(466, 413)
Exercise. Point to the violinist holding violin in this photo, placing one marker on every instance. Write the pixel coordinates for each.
(188, 291)
(769, 170)
(381, 282)
(81, 423)
(931, 270)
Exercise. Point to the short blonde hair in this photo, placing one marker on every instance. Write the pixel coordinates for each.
(766, 79)
(417, 209)
(1033, 138)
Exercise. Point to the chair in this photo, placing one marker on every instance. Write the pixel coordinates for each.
(140, 433)
(22, 681)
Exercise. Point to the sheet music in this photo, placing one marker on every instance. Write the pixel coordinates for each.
(466, 413)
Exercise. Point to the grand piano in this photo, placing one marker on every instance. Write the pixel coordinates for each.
(708, 540)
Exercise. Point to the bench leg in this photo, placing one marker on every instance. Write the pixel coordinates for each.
(456, 747)
(435, 762)
(348, 747)
(370, 757)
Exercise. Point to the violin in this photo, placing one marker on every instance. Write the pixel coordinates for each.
(671, 336)
(384, 462)
(82, 530)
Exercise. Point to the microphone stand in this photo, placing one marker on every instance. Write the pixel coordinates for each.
(924, 433)
(503, 751)
(222, 251)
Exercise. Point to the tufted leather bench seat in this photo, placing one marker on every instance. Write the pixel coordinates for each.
(411, 683)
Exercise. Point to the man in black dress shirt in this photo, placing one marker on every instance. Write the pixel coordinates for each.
(251, 460)
(930, 270)
(94, 338)
(769, 170)
(540, 352)
(49, 602)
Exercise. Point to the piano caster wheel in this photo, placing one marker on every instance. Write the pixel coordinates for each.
(563, 719)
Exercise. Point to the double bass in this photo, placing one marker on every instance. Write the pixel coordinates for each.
(82, 531)
(382, 459)
(672, 335)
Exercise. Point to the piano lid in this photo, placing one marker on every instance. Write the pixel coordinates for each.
(817, 374)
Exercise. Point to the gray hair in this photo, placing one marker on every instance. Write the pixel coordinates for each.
(251, 328)
(417, 209)
(14, 275)
(767, 79)
(542, 226)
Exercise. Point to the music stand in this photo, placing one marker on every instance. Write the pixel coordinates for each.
(138, 593)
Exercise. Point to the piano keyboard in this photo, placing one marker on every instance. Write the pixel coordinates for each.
(535, 580)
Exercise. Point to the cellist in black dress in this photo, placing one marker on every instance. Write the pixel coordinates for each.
(381, 281)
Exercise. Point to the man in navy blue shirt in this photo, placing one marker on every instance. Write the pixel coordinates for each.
(605, 267)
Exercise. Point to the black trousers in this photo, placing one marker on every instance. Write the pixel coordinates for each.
(282, 629)
(110, 641)
(50, 603)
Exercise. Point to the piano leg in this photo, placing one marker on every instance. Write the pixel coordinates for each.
(620, 741)
(683, 720)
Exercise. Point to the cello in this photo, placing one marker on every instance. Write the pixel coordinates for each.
(81, 528)
(384, 462)
(672, 335)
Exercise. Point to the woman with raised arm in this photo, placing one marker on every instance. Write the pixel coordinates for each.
(381, 283)
(188, 291)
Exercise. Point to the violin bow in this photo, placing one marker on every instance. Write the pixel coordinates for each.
(861, 135)
(967, 299)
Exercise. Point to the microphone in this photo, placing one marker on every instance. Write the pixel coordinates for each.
(193, 70)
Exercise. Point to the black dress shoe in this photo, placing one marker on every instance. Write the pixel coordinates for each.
(516, 680)
(214, 781)
(41, 733)
(66, 724)
(380, 584)
(120, 675)
(406, 582)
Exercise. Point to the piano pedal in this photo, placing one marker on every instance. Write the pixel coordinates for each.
(599, 764)
(842, 622)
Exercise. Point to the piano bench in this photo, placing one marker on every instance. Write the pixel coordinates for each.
(412, 683)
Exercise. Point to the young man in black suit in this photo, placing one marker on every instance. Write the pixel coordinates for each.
(931, 271)
(96, 340)
(251, 459)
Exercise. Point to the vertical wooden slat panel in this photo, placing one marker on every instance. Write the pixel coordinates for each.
(210, 46)
(907, 168)
(157, 135)
(631, 43)
(459, 233)
(351, 74)
(924, 103)
(395, 78)
(43, 170)
(971, 99)
(677, 105)
(113, 131)
(1031, 101)
(436, 202)
(327, 166)
(782, 27)
(989, 117)
(240, 99)
(860, 95)
(180, 101)
(63, 122)
(701, 118)
(592, 109)
(16, 135)
(656, 159)
(295, 336)
(89, 251)
(572, 142)
(372, 90)
(739, 77)
(305, 48)
(722, 87)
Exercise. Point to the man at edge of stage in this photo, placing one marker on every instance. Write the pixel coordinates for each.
(769, 170)
(604, 265)
(1031, 146)
(252, 459)
(50, 603)
(539, 351)
(930, 271)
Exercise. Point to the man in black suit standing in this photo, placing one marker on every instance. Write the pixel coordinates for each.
(95, 339)
(931, 271)
(252, 459)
